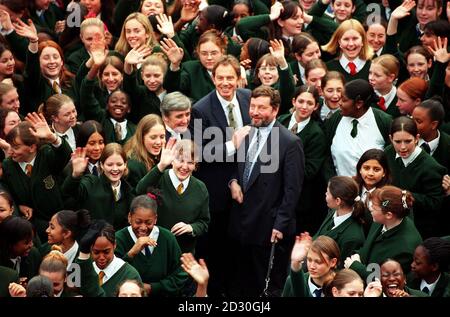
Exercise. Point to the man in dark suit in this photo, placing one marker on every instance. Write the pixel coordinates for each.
(266, 188)
(176, 114)
(217, 120)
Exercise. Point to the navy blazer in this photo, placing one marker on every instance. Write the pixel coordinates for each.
(271, 196)
(215, 167)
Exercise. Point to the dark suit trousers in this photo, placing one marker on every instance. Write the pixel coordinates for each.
(249, 264)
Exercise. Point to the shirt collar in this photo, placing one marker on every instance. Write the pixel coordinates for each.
(23, 165)
(173, 133)
(111, 269)
(71, 253)
(433, 143)
(154, 234)
(340, 219)
(312, 287)
(123, 124)
(162, 95)
(365, 192)
(412, 157)
(176, 181)
(224, 103)
(359, 63)
(431, 286)
(302, 72)
(91, 166)
(389, 96)
(300, 125)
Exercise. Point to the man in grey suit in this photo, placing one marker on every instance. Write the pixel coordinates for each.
(266, 187)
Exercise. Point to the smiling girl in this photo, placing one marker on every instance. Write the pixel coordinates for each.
(185, 201)
(152, 250)
(416, 171)
(305, 103)
(144, 148)
(106, 197)
(350, 42)
(332, 88)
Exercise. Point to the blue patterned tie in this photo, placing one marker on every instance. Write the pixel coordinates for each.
(250, 158)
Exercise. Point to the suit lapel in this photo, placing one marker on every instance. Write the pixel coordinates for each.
(217, 111)
(243, 105)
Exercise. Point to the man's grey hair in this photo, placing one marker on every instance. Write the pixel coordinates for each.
(175, 101)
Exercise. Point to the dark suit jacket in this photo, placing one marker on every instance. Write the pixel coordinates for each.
(216, 173)
(270, 197)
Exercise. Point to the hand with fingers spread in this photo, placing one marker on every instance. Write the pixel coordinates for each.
(79, 162)
(189, 11)
(165, 25)
(26, 30)
(174, 53)
(181, 228)
(168, 154)
(403, 10)
(137, 55)
(300, 250)
(439, 50)
(277, 51)
(40, 128)
(97, 50)
(197, 270)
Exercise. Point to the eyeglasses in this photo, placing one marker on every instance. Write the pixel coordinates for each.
(207, 54)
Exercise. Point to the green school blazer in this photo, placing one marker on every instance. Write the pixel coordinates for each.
(349, 235)
(442, 286)
(397, 243)
(7, 275)
(95, 194)
(297, 285)
(29, 265)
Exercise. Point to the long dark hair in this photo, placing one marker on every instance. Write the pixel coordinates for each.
(379, 156)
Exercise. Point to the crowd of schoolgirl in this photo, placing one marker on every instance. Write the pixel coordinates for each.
(97, 172)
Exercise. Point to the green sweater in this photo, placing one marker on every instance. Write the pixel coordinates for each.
(89, 279)
(397, 243)
(192, 79)
(162, 269)
(297, 285)
(349, 235)
(95, 194)
(92, 110)
(41, 191)
(423, 178)
(191, 207)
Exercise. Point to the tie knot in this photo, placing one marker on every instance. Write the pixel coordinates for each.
(55, 87)
(294, 128)
(231, 105)
(118, 131)
(382, 103)
(426, 290)
(28, 169)
(426, 147)
(352, 67)
(318, 292)
(94, 171)
(180, 188)
(101, 275)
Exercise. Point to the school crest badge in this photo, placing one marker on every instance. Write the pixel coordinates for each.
(49, 182)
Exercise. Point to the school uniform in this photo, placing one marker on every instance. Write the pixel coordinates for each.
(41, 191)
(299, 72)
(422, 176)
(345, 150)
(437, 289)
(309, 210)
(192, 79)
(341, 65)
(7, 276)
(345, 230)
(408, 32)
(161, 266)
(115, 274)
(96, 195)
(39, 88)
(70, 254)
(388, 103)
(93, 111)
(143, 101)
(398, 243)
(190, 207)
(27, 266)
(70, 135)
(136, 171)
(300, 284)
(76, 59)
